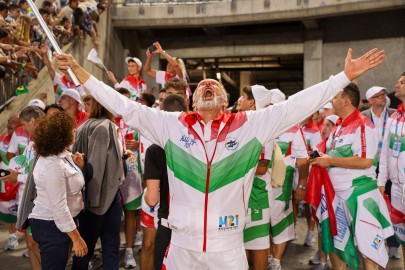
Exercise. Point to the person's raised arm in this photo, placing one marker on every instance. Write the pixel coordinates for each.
(47, 62)
(170, 60)
(280, 117)
(151, 72)
(148, 121)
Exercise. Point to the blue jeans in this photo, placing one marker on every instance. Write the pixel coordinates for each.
(107, 227)
(53, 244)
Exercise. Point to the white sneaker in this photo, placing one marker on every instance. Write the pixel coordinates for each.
(393, 252)
(26, 253)
(314, 259)
(12, 242)
(138, 239)
(129, 259)
(274, 265)
(269, 259)
(309, 239)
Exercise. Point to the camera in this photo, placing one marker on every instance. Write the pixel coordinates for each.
(314, 154)
(152, 48)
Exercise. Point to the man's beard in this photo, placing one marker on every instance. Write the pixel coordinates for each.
(209, 105)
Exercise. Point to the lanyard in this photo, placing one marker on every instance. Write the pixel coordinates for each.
(397, 124)
(384, 124)
(335, 136)
(73, 166)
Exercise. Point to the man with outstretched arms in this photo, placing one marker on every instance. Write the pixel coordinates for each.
(362, 217)
(212, 158)
(392, 162)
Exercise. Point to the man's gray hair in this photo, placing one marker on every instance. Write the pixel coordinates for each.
(31, 112)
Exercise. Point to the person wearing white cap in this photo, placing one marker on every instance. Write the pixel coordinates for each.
(37, 102)
(319, 258)
(293, 148)
(174, 68)
(378, 112)
(134, 82)
(256, 232)
(212, 157)
(392, 164)
(71, 102)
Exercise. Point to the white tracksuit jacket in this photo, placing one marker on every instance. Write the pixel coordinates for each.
(211, 166)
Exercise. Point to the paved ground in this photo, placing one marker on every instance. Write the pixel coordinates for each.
(295, 257)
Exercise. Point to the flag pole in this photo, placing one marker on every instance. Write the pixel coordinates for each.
(49, 35)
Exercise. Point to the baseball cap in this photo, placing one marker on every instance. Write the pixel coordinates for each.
(36, 102)
(264, 97)
(277, 96)
(333, 118)
(136, 60)
(374, 90)
(73, 94)
(328, 106)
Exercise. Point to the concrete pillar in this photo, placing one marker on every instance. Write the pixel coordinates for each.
(245, 79)
(312, 62)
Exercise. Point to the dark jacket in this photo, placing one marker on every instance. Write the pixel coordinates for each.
(97, 139)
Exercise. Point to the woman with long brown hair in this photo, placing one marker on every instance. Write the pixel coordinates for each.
(99, 139)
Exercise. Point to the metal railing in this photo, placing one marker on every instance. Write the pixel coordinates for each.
(11, 80)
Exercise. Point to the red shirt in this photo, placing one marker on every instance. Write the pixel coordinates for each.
(81, 117)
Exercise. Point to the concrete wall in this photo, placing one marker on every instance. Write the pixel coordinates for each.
(386, 75)
(239, 11)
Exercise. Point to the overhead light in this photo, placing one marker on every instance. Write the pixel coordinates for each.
(219, 76)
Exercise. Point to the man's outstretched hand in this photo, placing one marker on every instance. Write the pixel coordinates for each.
(356, 67)
(66, 61)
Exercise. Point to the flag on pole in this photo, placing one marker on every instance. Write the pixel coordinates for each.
(93, 57)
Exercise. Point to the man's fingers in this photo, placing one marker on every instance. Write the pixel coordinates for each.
(349, 54)
(370, 53)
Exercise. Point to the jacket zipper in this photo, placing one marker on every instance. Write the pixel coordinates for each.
(207, 185)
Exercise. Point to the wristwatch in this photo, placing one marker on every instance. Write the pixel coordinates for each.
(301, 186)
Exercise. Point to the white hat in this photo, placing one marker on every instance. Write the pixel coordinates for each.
(333, 118)
(264, 97)
(36, 102)
(73, 93)
(277, 96)
(328, 106)
(374, 90)
(136, 60)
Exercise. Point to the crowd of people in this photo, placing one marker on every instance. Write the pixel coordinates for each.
(201, 187)
(21, 36)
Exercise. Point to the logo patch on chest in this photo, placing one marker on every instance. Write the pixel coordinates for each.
(188, 141)
(231, 143)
